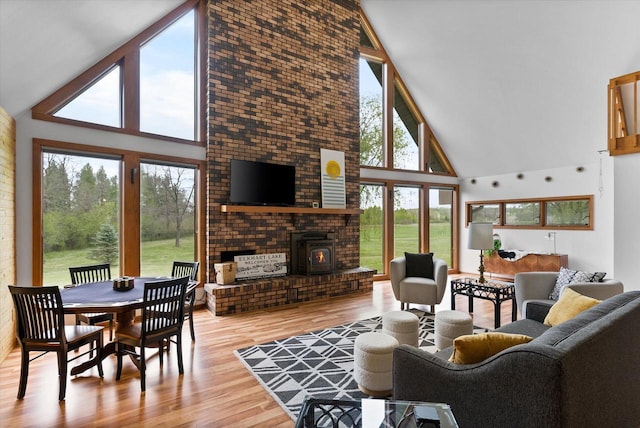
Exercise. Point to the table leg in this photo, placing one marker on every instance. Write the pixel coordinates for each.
(514, 310)
(496, 316)
(453, 298)
(470, 304)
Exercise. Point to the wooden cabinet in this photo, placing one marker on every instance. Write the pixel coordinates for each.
(533, 262)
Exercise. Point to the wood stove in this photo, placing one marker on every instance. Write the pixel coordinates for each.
(313, 253)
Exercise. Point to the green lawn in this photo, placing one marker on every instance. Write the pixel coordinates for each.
(406, 239)
(157, 258)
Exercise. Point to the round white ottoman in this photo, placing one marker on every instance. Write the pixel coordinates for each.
(373, 360)
(450, 325)
(402, 325)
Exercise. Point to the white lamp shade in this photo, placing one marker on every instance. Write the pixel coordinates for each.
(480, 236)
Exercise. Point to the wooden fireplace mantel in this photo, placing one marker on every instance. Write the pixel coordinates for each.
(287, 210)
(268, 209)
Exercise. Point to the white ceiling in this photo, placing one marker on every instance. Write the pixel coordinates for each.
(506, 86)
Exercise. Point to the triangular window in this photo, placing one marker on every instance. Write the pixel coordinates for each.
(150, 85)
(393, 132)
(100, 103)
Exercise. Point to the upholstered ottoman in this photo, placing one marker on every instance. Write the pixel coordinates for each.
(450, 325)
(373, 363)
(402, 325)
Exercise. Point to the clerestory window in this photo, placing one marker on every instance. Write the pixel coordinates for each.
(150, 85)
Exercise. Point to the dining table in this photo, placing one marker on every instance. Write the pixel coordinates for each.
(97, 297)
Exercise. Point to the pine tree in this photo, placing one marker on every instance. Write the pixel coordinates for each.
(106, 245)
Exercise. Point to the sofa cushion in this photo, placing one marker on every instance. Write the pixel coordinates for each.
(419, 264)
(569, 305)
(528, 327)
(570, 276)
(474, 348)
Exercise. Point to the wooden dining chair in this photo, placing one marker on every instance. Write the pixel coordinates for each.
(162, 319)
(189, 269)
(40, 327)
(84, 275)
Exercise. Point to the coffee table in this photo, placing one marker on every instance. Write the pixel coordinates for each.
(378, 413)
(492, 290)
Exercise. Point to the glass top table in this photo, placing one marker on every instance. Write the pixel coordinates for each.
(492, 290)
(374, 413)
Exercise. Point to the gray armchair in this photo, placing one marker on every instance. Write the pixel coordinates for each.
(418, 290)
(536, 286)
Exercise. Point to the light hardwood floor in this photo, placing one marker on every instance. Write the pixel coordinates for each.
(216, 390)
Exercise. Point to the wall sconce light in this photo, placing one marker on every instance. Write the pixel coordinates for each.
(551, 236)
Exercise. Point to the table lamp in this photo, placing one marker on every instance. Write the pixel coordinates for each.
(480, 238)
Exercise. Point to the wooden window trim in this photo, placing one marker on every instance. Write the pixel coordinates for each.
(391, 80)
(542, 201)
(387, 222)
(129, 231)
(128, 57)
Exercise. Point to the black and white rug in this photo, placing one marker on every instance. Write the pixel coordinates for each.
(318, 364)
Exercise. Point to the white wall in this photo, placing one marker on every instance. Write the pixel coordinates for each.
(627, 220)
(27, 129)
(589, 250)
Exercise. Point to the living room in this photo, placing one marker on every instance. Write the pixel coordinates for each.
(549, 137)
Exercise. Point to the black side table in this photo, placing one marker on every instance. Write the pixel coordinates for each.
(494, 291)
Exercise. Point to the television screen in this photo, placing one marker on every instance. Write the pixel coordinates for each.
(261, 183)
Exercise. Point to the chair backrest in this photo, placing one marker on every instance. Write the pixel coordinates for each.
(39, 312)
(93, 273)
(163, 307)
(181, 269)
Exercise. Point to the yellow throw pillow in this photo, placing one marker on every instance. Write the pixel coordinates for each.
(570, 304)
(473, 348)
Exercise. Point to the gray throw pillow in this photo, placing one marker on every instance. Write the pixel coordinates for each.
(569, 276)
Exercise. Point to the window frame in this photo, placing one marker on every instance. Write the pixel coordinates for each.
(388, 244)
(129, 202)
(392, 83)
(501, 224)
(127, 57)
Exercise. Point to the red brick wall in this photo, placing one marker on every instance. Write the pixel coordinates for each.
(283, 79)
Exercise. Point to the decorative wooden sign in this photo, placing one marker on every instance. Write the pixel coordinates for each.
(261, 266)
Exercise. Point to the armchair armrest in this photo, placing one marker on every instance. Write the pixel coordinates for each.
(440, 275)
(537, 310)
(533, 286)
(598, 290)
(397, 272)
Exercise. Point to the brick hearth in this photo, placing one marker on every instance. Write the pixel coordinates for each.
(270, 292)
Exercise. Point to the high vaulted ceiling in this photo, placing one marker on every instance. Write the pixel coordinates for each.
(506, 85)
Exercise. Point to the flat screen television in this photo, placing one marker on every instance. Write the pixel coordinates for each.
(261, 183)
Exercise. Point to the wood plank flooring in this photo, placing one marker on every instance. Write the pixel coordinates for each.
(216, 390)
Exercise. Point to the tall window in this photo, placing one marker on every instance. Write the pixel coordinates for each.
(406, 223)
(406, 129)
(372, 227)
(399, 153)
(371, 148)
(441, 223)
(106, 206)
(80, 213)
(167, 81)
(167, 216)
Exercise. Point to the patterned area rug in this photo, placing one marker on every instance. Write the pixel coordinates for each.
(318, 364)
